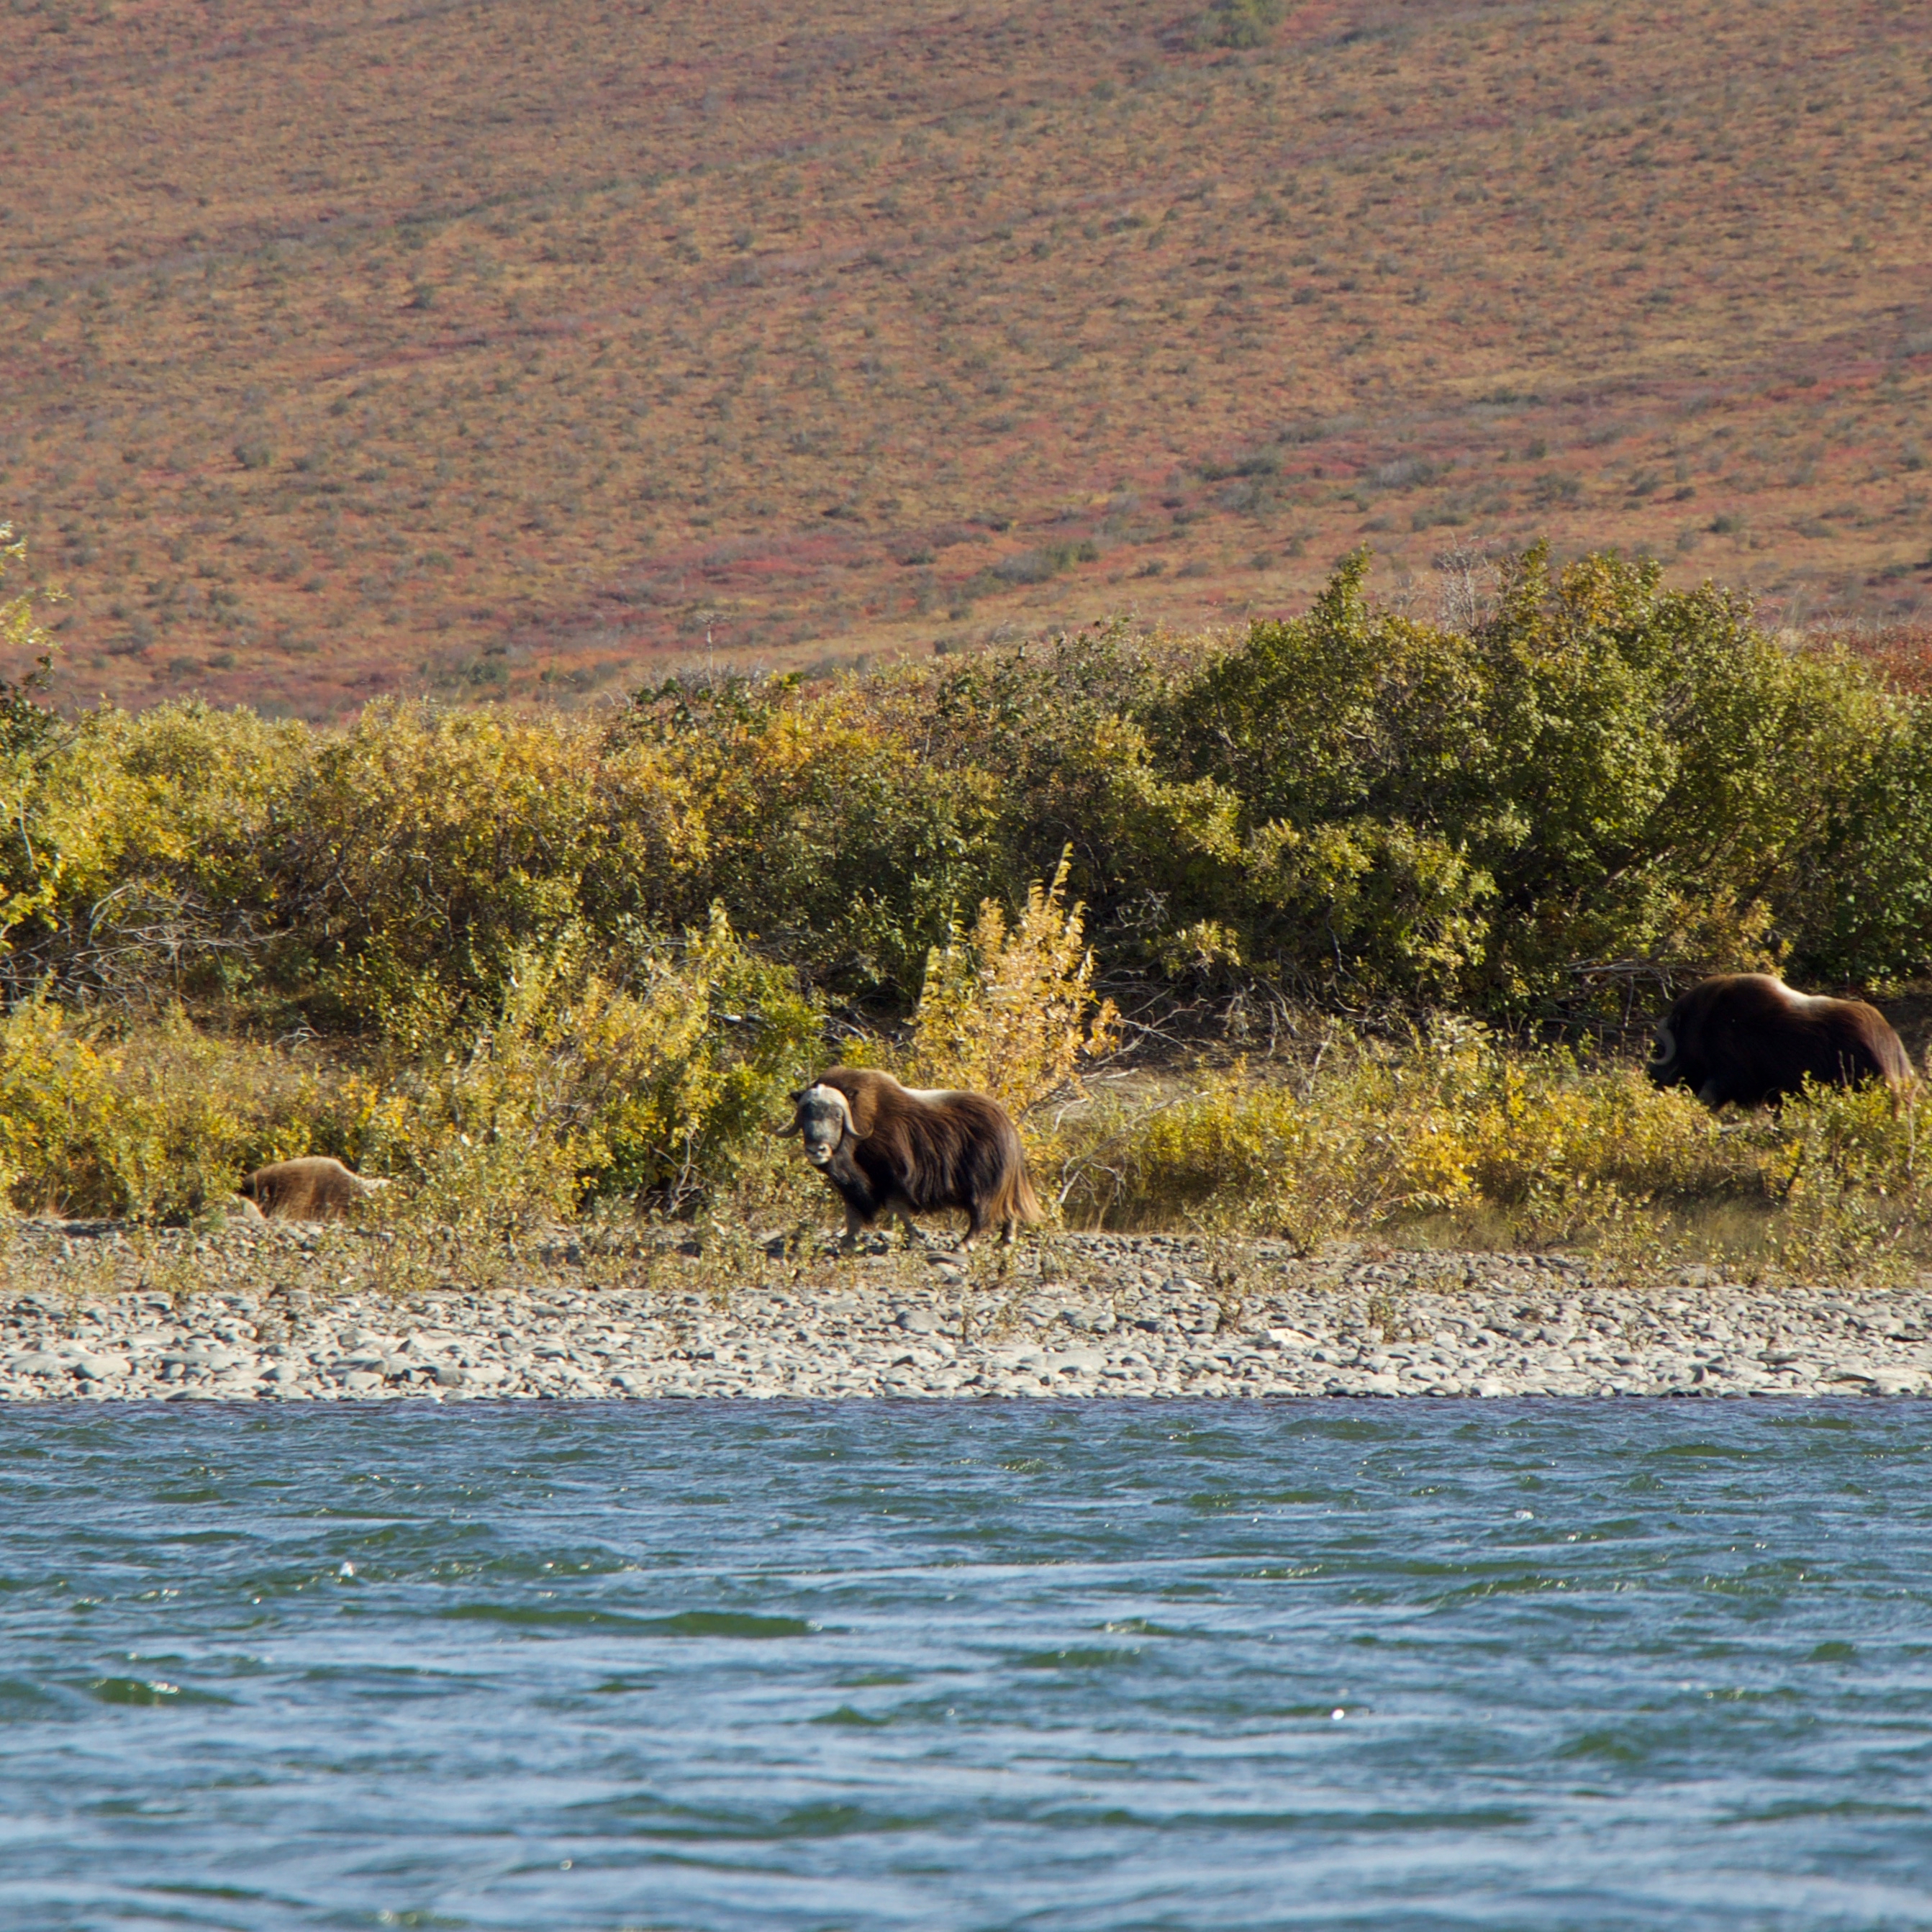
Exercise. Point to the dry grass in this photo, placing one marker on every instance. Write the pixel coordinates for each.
(1452, 1141)
(1456, 1142)
(348, 349)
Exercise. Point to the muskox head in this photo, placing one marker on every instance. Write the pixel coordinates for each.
(823, 1121)
(1665, 1065)
(1679, 1054)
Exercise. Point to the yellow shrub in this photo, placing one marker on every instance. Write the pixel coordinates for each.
(1831, 1138)
(1011, 1011)
(433, 846)
(1450, 1123)
(653, 1074)
(582, 1087)
(1240, 1154)
(1530, 1120)
(156, 1127)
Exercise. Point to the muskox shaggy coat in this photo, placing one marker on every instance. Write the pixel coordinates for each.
(314, 1188)
(903, 1150)
(1748, 1038)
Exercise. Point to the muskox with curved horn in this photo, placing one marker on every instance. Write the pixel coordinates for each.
(1748, 1038)
(907, 1150)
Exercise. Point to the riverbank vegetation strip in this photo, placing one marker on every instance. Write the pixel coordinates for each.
(1417, 873)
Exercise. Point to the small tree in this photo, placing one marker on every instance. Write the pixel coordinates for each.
(1011, 1011)
(29, 874)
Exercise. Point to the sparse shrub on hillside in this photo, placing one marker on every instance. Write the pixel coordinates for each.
(597, 417)
(1242, 23)
(1036, 566)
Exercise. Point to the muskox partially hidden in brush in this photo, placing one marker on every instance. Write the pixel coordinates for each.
(1748, 1038)
(314, 1188)
(907, 1150)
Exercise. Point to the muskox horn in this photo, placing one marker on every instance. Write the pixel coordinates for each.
(1663, 1048)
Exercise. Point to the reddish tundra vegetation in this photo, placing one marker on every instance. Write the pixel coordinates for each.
(498, 351)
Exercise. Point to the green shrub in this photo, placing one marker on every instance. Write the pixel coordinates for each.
(1605, 772)
(1606, 779)
(1606, 783)
(1242, 23)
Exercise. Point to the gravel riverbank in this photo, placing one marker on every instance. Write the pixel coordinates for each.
(283, 1313)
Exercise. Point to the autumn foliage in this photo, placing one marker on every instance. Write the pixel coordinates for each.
(534, 962)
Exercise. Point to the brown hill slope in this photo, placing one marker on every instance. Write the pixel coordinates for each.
(345, 347)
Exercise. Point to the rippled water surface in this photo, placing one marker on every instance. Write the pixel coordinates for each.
(1418, 1664)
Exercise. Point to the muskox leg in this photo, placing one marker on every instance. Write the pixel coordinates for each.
(976, 1224)
(915, 1236)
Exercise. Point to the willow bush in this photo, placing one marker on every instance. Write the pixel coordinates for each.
(650, 1077)
(1010, 1009)
(1609, 781)
(1606, 773)
(154, 1123)
(535, 961)
(1461, 1137)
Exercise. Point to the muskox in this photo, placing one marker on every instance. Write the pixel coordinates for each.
(907, 1150)
(314, 1188)
(1748, 1038)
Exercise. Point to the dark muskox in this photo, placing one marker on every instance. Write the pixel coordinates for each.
(314, 1188)
(1748, 1038)
(905, 1150)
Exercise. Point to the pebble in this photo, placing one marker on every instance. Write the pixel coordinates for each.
(1143, 1316)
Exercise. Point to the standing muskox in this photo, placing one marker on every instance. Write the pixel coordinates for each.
(1747, 1038)
(313, 1188)
(905, 1150)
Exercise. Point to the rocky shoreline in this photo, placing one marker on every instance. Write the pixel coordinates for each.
(283, 1313)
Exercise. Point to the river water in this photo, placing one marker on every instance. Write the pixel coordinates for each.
(1224, 1665)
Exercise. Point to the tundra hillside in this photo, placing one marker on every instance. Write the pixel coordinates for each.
(532, 966)
(348, 349)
